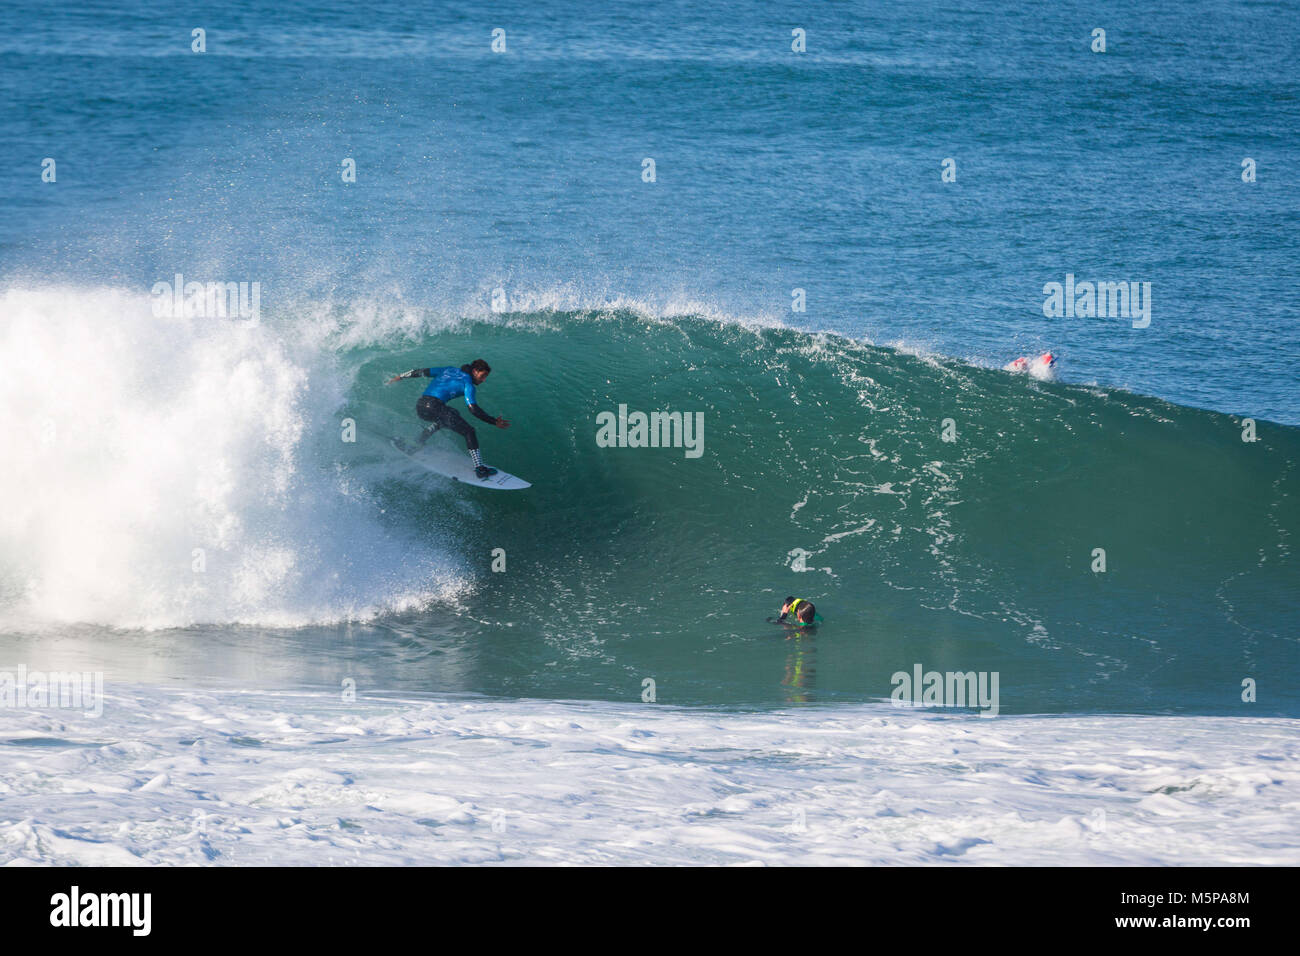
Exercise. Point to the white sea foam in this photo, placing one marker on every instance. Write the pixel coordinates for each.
(156, 474)
(227, 778)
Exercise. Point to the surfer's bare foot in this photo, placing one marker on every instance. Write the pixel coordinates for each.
(483, 471)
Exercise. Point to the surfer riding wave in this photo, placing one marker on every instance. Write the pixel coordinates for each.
(449, 383)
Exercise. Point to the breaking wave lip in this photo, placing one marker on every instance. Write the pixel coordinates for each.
(366, 322)
(177, 483)
(369, 322)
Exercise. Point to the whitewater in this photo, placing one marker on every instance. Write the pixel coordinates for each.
(192, 433)
(183, 777)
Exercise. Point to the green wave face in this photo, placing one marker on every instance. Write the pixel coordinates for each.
(981, 553)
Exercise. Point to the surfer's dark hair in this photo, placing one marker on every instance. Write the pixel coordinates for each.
(807, 611)
(478, 365)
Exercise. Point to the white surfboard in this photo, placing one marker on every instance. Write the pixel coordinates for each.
(457, 466)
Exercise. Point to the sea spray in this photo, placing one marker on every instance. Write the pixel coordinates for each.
(159, 472)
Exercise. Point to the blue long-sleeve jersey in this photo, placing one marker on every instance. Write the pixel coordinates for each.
(448, 383)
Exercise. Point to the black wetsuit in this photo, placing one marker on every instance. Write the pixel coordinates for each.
(449, 382)
(444, 416)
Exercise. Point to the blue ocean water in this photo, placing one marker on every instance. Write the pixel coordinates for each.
(503, 205)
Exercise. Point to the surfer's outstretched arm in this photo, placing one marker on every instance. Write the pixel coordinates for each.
(413, 373)
(483, 416)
